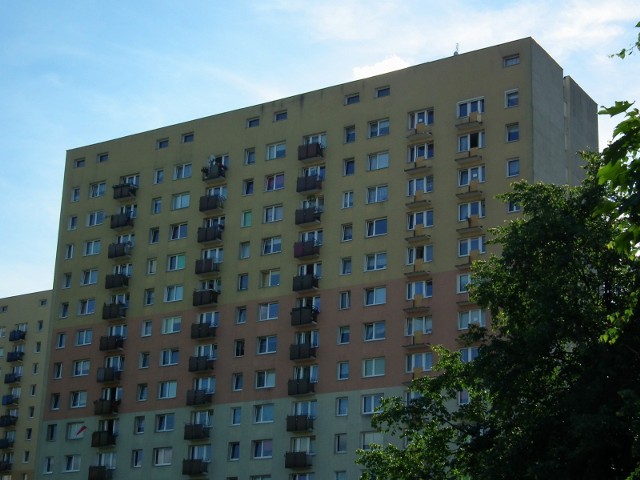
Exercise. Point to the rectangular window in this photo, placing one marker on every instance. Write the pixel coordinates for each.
(350, 134)
(169, 356)
(262, 449)
(177, 231)
(423, 252)
(171, 325)
(241, 315)
(165, 422)
(476, 317)
(418, 117)
(345, 266)
(271, 245)
(263, 413)
(268, 311)
(513, 167)
(467, 245)
(418, 324)
(173, 293)
(89, 277)
(156, 205)
(180, 200)
(346, 232)
(470, 140)
(147, 326)
(471, 209)
(377, 194)
(348, 167)
(462, 285)
(71, 463)
(379, 128)
(265, 379)
(378, 161)
(234, 451)
(512, 132)
(86, 306)
(97, 189)
(72, 222)
(247, 187)
(511, 99)
(176, 262)
(280, 116)
(136, 458)
(167, 389)
(344, 333)
(270, 278)
(352, 99)
(343, 371)
(162, 143)
(142, 392)
(468, 354)
(68, 251)
(383, 92)
(421, 287)
(81, 368)
(467, 175)
(342, 406)
(78, 399)
(340, 443)
(246, 218)
(513, 207)
(375, 296)
(243, 281)
(370, 403)
(376, 227)
(468, 107)
(95, 218)
(347, 199)
(182, 171)
(253, 122)
(375, 261)
(345, 300)
(158, 176)
(274, 182)
(268, 344)
(188, 137)
(154, 235)
(374, 331)
(424, 218)
(272, 213)
(75, 194)
(422, 361)
(162, 456)
(420, 151)
(276, 150)
(511, 60)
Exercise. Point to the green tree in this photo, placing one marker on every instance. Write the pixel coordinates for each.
(548, 398)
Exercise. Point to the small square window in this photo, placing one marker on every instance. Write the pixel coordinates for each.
(352, 99)
(383, 92)
(187, 137)
(513, 167)
(511, 99)
(350, 134)
(280, 116)
(349, 167)
(102, 157)
(253, 122)
(79, 163)
(511, 60)
(162, 143)
(513, 132)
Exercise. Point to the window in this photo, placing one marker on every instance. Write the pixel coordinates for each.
(267, 344)
(154, 235)
(476, 317)
(268, 311)
(352, 99)
(147, 327)
(343, 334)
(169, 356)
(270, 278)
(81, 368)
(511, 60)
(340, 443)
(421, 116)
(347, 199)
(421, 287)
(144, 359)
(470, 106)
(149, 296)
(272, 213)
(377, 194)
(182, 171)
(158, 176)
(86, 306)
(463, 281)
(468, 354)
(156, 205)
(280, 116)
(57, 370)
(420, 151)
(274, 182)
(370, 403)
(165, 422)
(378, 161)
(253, 122)
(262, 449)
(89, 277)
(162, 143)
(467, 245)
(513, 132)
(511, 99)
(241, 315)
(513, 167)
(343, 370)
(276, 150)
(54, 402)
(418, 324)
(180, 200)
(470, 140)
(369, 438)
(513, 207)
(75, 430)
(178, 231)
(263, 413)
(347, 232)
(48, 463)
(350, 134)
(136, 458)
(423, 252)
(271, 245)
(375, 261)
(142, 392)
(342, 406)
(348, 167)
(234, 451)
(61, 340)
(467, 175)
(173, 293)
(243, 281)
(237, 382)
(345, 266)
(376, 227)
(175, 262)
(424, 218)
(66, 280)
(171, 325)
(75, 194)
(78, 399)
(72, 222)
(244, 250)
(68, 251)
(79, 163)
(71, 463)
(383, 92)
(378, 128)
(265, 379)
(167, 389)
(247, 187)
(246, 218)
(374, 331)
(471, 209)
(97, 189)
(52, 432)
(375, 296)
(162, 456)
(250, 156)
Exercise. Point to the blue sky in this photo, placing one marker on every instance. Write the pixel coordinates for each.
(76, 73)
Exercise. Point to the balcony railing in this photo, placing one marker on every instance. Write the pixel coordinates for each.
(105, 407)
(205, 297)
(299, 423)
(300, 386)
(199, 397)
(111, 342)
(117, 250)
(103, 439)
(194, 467)
(16, 335)
(310, 151)
(304, 316)
(12, 378)
(201, 364)
(196, 431)
(124, 191)
(207, 265)
(8, 420)
(302, 351)
(121, 220)
(203, 330)
(5, 466)
(307, 215)
(209, 234)
(5, 443)
(15, 356)
(306, 249)
(304, 282)
(108, 374)
(9, 399)
(214, 171)
(113, 311)
(100, 472)
(116, 280)
(308, 184)
(297, 460)
(210, 202)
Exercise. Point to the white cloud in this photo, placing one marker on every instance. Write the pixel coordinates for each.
(389, 64)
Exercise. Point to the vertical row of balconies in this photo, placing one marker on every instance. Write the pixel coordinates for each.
(11, 400)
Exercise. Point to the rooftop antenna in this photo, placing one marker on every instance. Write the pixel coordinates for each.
(457, 47)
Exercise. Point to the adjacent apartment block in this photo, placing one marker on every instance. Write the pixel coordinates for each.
(235, 294)
(24, 326)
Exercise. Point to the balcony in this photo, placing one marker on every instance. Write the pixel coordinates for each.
(121, 220)
(420, 165)
(111, 342)
(108, 374)
(419, 235)
(471, 192)
(201, 364)
(306, 249)
(419, 200)
(210, 202)
(203, 330)
(311, 151)
(105, 407)
(209, 234)
(214, 171)
(304, 316)
(114, 311)
(472, 225)
(305, 282)
(297, 460)
(300, 387)
(15, 356)
(299, 423)
(207, 265)
(124, 191)
(196, 431)
(116, 280)
(205, 297)
(474, 120)
(302, 351)
(419, 304)
(307, 215)
(5, 443)
(117, 250)
(194, 467)
(100, 472)
(199, 397)
(5, 466)
(419, 133)
(8, 420)
(308, 185)
(11, 378)
(103, 439)
(469, 157)
(9, 399)
(16, 335)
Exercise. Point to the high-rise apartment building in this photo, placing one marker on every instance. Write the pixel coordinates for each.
(24, 326)
(235, 294)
